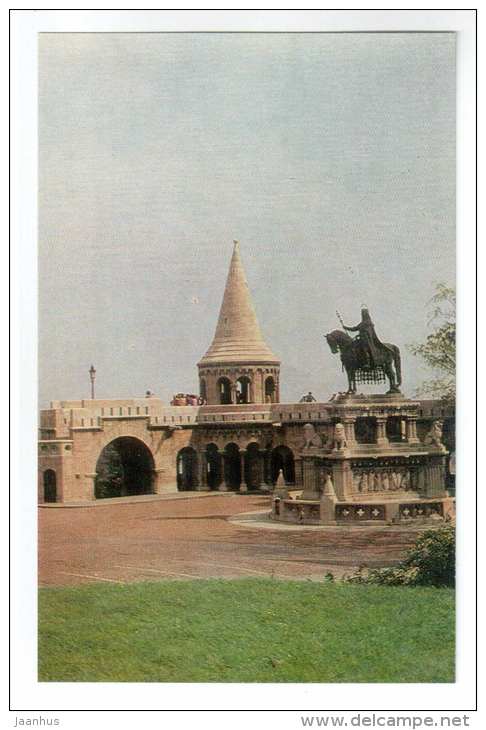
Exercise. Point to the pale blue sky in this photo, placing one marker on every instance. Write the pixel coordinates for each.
(331, 157)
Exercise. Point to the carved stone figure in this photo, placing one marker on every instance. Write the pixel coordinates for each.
(339, 440)
(434, 436)
(311, 437)
(363, 482)
(385, 482)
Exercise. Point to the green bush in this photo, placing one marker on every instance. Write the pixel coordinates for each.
(430, 562)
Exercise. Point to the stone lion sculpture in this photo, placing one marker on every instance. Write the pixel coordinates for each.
(311, 437)
(434, 436)
(339, 438)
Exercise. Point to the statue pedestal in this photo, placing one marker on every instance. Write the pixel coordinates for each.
(385, 479)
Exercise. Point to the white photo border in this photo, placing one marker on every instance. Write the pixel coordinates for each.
(27, 693)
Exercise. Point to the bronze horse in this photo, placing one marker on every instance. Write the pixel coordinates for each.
(353, 358)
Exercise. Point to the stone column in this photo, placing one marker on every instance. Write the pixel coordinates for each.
(309, 473)
(435, 477)
(348, 422)
(299, 477)
(202, 485)
(262, 455)
(412, 437)
(342, 479)
(381, 437)
(223, 487)
(90, 492)
(243, 484)
(264, 470)
(161, 485)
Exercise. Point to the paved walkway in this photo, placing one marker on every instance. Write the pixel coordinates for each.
(200, 538)
(133, 499)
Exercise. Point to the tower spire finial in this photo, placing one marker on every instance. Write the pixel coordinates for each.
(238, 336)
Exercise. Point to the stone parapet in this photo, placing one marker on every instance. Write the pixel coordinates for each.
(74, 433)
(332, 512)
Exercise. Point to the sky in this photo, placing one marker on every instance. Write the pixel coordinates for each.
(330, 157)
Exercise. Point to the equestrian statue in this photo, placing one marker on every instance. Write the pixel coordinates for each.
(365, 358)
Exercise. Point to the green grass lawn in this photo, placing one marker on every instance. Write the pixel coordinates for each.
(246, 631)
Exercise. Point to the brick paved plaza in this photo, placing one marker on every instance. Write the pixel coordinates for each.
(194, 537)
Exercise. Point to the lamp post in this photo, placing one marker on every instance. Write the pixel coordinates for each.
(92, 375)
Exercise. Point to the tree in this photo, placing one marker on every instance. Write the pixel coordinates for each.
(439, 349)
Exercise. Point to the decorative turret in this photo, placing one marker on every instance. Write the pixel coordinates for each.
(239, 367)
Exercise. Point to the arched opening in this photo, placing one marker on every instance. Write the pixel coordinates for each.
(187, 469)
(253, 466)
(50, 486)
(243, 394)
(365, 430)
(224, 390)
(282, 458)
(203, 390)
(270, 390)
(125, 467)
(214, 467)
(394, 429)
(232, 466)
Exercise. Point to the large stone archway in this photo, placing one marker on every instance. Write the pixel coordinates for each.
(124, 467)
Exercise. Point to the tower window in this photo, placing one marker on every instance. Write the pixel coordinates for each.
(270, 390)
(243, 390)
(224, 391)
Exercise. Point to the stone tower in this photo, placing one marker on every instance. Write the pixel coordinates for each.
(239, 367)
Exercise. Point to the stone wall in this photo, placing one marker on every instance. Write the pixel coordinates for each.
(74, 433)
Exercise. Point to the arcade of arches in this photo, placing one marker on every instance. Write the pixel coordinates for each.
(242, 391)
(233, 468)
(236, 385)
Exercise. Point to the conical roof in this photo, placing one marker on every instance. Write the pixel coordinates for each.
(238, 338)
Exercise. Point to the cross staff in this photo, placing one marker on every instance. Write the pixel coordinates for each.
(340, 319)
